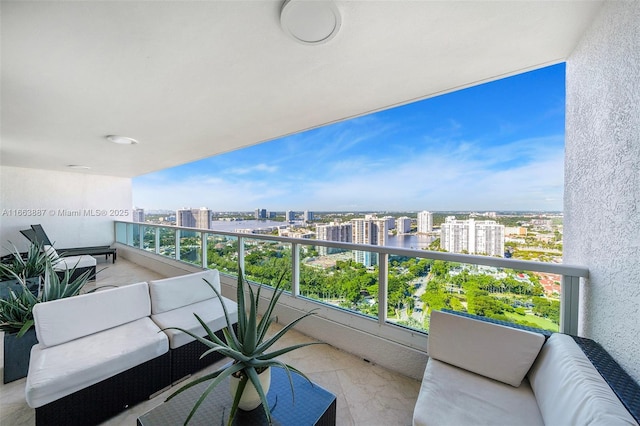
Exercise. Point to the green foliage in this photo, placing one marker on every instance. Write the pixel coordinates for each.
(34, 265)
(247, 347)
(16, 312)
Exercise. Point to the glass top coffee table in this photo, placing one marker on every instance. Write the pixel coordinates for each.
(313, 405)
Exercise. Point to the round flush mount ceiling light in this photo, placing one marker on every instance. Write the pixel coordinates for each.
(78, 167)
(121, 140)
(310, 21)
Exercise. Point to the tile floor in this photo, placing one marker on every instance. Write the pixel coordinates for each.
(366, 394)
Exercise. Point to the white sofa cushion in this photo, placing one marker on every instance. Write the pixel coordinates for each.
(64, 263)
(563, 377)
(452, 396)
(495, 351)
(63, 320)
(58, 371)
(175, 292)
(210, 311)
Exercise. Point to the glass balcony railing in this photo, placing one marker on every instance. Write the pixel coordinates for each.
(395, 287)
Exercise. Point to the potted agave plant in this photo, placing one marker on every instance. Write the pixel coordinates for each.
(248, 347)
(16, 315)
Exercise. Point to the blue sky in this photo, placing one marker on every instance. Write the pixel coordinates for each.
(497, 146)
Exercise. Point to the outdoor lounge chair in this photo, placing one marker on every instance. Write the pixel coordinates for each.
(37, 236)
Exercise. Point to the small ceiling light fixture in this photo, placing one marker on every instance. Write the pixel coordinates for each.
(310, 22)
(78, 167)
(121, 140)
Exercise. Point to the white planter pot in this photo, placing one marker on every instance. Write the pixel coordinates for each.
(250, 398)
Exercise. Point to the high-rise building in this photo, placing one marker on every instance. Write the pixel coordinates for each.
(290, 216)
(473, 237)
(260, 214)
(138, 215)
(425, 222)
(308, 216)
(194, 218)
(334, 231)
(403, 225)
(369, 231)
(391, 222)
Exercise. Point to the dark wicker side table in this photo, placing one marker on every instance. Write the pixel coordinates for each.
(313, 406)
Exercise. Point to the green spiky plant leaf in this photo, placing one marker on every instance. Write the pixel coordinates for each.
(16, 311)
(248, 346)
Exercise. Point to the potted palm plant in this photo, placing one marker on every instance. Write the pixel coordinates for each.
(248, 347)
(16, 315)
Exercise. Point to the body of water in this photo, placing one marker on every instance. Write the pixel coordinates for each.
(408, 241)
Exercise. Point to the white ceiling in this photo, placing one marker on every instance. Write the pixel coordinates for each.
(192, 79)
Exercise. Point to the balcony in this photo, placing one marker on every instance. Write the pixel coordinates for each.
(367, 393)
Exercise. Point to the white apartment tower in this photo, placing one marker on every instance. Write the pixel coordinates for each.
(138, 215)
(334, 231)
(194, 218)
(403, 225)
(425, 222)
(369, 231)
(473, 237)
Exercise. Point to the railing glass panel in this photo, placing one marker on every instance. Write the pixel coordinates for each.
(265, 261)
(149, 239)
(417, 286)
(340, 278)
(191, 247)
(222, 253)
(167, 243)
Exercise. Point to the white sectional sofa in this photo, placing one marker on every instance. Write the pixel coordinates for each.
(174, 301)
(484, 373)
(97, 354)
(102, 352)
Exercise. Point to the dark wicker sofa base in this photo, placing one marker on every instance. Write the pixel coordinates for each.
(186, 360)
(105, 399)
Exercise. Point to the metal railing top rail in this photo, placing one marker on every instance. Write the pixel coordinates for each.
(498, 262)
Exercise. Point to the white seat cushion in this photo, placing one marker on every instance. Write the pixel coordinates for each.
(453, 396)
(58, 371)
(62, 320)
(64, 263)
(172, 293)
(562, 377)
(495, 351)
(210, 311)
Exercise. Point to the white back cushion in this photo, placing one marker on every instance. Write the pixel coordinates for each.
(569, 389)
(176, 292)
(63, 320)
(491, 350)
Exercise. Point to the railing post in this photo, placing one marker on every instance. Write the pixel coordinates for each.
(241, 252)
(157, 236)
(141, 231)
(295, 269)
(383, 286)
(203, 247)
(177, 244)
(569, 304)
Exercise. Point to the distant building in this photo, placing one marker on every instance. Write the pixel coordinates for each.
(369, 231)
(515, 230)
(473, 237)
(391, 222)
(334, 231)
(403, 225)
(290, 216)
(194, 218)
(308, 216)
(138, 215)
(260, 214)
(425, 222)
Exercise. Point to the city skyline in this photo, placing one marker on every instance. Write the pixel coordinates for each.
(496, 146)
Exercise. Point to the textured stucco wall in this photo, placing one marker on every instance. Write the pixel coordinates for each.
(602, 178)
(23, 190)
